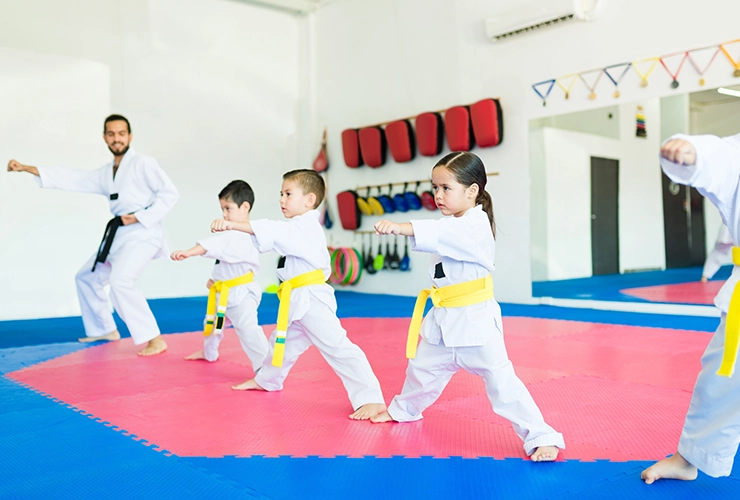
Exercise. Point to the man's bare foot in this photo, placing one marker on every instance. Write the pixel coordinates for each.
(382, 417)
(112, 336)
(249, 385)
(155, 346)
(675, 467)
(196, 355)
(368, 411)
(544, 454)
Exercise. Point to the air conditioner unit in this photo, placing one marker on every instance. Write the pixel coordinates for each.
(538, 15)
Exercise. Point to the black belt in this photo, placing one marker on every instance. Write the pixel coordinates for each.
(105, 244)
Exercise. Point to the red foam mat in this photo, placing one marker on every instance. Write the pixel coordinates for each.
(615, 392)
(682, 293)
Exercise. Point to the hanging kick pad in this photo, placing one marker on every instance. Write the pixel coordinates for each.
(351, 148)
(349, 214)
(487, 120)
(401, 141)
(458, 128)
(373, 146)
(429, 133)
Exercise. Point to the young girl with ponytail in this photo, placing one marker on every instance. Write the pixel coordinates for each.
(464, 328)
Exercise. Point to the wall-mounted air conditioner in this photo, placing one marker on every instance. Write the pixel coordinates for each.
(532, 16)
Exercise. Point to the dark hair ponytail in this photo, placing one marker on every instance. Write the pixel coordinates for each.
(468, 169)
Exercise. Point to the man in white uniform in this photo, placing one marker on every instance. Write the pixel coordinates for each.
(711, 431)
(140, 195)
(719, 256)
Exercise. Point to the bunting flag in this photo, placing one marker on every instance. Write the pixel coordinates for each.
(616, 81)
(592, 87)
(674, 83)
(644, 76)
(551, 84)
(573, 80)
(735, 64)
(699, 59)
(695, 63)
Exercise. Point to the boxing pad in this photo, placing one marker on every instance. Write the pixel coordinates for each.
(349, 214)
(488, 125)
(429, 133)
(373, 146)
(401, 141)
(458, 128)
(351, 148)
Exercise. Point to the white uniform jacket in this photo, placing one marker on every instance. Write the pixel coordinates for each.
(717, 176)
(303, 243)
(235, 256)
(141, 187)
(463, 249)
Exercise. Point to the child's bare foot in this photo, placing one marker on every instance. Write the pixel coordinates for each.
(704, 279)
(249, 385)
(675, 467)
(196, 355)
(544, 454)
(368, 411)
(382, 417)
(112, 336)
(155, 346)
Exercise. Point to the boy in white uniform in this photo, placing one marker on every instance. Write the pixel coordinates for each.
(464, 330)
(140, 195)
(308, 307)
(711, 431)
(237, 262)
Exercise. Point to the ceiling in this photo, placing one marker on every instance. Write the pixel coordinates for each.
(707, 97)
(294, 6)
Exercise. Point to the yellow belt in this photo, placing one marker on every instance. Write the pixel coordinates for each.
(732, 328)
(315, 277)
(462, 294)
(222, 288)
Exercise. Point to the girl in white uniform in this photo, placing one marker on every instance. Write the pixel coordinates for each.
(312, 314)
(235, 256)
(467, 335)
(711, 432)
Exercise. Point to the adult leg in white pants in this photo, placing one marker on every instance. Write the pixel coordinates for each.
(97, 316)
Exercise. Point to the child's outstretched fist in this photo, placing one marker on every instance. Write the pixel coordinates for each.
(679, 151)
(219, 225)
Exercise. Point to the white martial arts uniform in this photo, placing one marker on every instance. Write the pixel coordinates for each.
(720, 254)
(711, 431)
(312, 318)
(236, 256)
(469, 337)
(142, 188)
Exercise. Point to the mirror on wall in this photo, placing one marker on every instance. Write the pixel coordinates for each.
(602, 209)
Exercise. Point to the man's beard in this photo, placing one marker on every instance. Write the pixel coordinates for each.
(118, 154)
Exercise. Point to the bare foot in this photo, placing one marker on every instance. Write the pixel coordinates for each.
(544, 454)
(112, 336)
(196, 355)
(155, 346)
(675, 467)
(249, 385)
(382, 417)
(704, 279)
(368, 411)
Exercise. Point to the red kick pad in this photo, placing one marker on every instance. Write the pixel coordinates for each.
(683, 293)
(459, 129)
(615, 392)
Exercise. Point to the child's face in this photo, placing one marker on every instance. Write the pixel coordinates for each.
(452, 198)
(293, 201)
(233, 212)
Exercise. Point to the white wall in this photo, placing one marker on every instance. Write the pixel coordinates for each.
(388, 59)
(213, 89)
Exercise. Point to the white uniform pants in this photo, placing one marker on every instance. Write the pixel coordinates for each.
(321, 327)
(428, 374)
(243, 317)
(121, 271)
(711, 432)
(719, 256)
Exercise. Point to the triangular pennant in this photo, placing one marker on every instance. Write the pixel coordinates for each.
(547, 83)
(702, 59)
